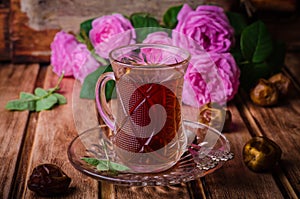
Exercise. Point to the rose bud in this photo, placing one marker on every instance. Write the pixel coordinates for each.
(264, 93)
(261, 154)
(48, 180)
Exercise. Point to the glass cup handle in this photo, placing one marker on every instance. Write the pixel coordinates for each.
(102, 105)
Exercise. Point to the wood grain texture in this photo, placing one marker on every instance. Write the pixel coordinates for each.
(178, 191)
(25, 151)
(4, 34)
(54, 131)
(28, 45)
(14, 79)
(281, 124)
(234, 179)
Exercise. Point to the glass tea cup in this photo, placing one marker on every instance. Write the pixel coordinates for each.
(146, 114)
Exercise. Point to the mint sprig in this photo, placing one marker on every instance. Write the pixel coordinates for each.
(105, 164)
(41, 99)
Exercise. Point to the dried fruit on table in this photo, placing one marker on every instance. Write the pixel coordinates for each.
(261, 154)
(215, 116)
(282, 83)
(264, 93)
(48, 180)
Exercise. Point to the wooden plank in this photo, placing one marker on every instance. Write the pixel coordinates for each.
(4, 34)
(281, 124)
(28, 45)
(54, 131)
(234, 179)
(178, 191)
(292, 62)
(23, 163)
(14, 79)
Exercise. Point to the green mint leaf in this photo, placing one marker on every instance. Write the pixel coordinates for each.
(105, 165)
(89, 84)
(141, 20)
(91, 161)
(46, 103)
(40, 92)
(118, 167)
(18, 105)
(256, 43)
(170, 17)
(27, 96)
(237, 21)
(60, 98)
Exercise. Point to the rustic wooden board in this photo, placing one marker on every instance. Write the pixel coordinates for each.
(292, 66)
(28, 45)
(178, 191)
(54, 131)
(281, 124)
(4, 34)
(234, 175)
(23, 163)
(14, 79)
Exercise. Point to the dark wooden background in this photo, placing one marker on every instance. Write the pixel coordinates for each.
(27, 27)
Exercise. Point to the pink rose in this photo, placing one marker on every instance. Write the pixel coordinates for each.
(212, 77)
(109, 32)
(158, 38)
(206, 28)
(157, 56)
(61, 50)
(83, 62)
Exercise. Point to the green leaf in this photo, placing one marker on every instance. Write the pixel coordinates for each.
(103, 165)
(46, 103)
(89, 84)
(237, 21)
(91, 161)
(142, 20)
(27, 96)
(83, 37)
(276, 59)
(60, 98)
(237, 54)
(40, 92)
(98, 58)
(251, 73)
(170, 17)
(118, 167)
(18, 105)
(256, 43)
(86, 26)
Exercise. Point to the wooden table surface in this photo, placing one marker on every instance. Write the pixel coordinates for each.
(29, 139)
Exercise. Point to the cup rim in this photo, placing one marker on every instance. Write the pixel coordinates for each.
(184, 61)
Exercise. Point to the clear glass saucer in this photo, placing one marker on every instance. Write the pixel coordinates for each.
(207, 151)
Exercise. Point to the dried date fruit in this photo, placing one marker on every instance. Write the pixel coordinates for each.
(261, 154)
(48, 180)
(282, 83)
(264, 93)
(215, 116)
